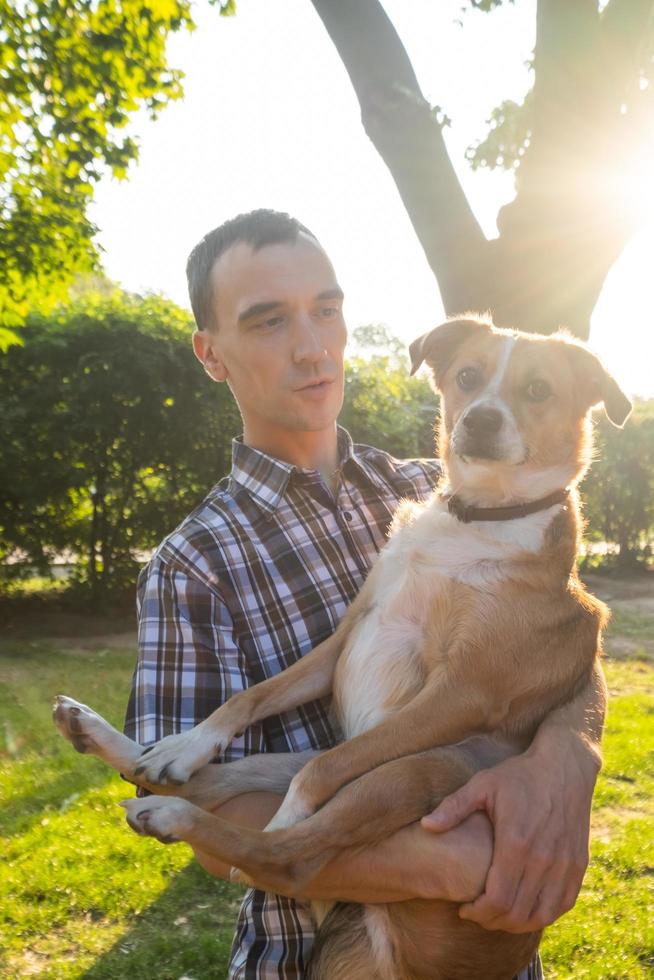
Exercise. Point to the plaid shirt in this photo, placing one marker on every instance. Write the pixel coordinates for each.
(259, 574)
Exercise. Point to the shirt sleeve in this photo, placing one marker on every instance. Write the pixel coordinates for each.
(189, 662)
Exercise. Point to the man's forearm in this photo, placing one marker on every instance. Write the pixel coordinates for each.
(579, 724)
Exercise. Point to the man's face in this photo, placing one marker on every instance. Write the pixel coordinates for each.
(280, 336)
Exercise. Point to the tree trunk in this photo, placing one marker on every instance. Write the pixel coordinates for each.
(560, 236)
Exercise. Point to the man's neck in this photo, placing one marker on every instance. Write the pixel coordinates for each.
(306, 450)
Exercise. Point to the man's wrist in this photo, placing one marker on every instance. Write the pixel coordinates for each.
(557, 741)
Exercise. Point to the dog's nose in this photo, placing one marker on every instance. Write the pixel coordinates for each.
(483, 421)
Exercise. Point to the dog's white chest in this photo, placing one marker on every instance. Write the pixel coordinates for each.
(479, 554)
(382, 666)
(381, 663)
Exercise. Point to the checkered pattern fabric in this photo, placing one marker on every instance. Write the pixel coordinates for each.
(259, 574)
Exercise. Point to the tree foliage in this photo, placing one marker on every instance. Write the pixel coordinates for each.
(383, 406)
(619, 491)
(71, 75)
(112, 433)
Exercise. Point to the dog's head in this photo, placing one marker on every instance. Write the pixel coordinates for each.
(515, 405)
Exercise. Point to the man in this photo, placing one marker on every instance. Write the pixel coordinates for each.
(263, 570)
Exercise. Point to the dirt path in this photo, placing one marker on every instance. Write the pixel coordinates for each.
(635, 593)
(631, 600)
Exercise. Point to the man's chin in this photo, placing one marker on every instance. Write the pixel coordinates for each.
(317, 417)
(313, 424)
(309, 421)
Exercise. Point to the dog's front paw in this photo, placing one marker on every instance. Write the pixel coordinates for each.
(167, 818)
(174, 759)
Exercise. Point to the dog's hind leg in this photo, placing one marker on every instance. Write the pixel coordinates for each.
(90, 734)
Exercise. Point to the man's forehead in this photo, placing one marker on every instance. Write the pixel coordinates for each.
(242, 274)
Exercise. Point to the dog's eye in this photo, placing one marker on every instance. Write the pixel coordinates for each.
(468, 378)
(538, 390)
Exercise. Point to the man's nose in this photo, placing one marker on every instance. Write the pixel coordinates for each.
(483, 421)
(308, 343)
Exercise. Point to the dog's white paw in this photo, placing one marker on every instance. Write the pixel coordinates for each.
(89, 733)
(174, 759)
(167, 818)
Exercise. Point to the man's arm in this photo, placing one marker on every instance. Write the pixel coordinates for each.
(539, 804)
(188, 662)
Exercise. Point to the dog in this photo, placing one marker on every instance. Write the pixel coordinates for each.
(471, 627)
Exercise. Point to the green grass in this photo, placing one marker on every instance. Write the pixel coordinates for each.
(80, 895)
(83, 897)
(610, 933)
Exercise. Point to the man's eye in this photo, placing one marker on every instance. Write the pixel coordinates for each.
(271, 323)
(538, 390)
(328, 312)
(468, 378)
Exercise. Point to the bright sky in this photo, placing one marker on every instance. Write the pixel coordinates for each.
(269, 120)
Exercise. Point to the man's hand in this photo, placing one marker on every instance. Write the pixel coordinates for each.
(539, 804)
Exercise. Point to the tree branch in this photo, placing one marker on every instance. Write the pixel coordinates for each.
(407, 135)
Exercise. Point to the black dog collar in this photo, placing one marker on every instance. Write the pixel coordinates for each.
(468, 512)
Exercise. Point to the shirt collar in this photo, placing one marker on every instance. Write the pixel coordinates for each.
(266, 478)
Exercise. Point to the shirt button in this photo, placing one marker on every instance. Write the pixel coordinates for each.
(347, 515)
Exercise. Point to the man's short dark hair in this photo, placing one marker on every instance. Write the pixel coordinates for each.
(255, 228)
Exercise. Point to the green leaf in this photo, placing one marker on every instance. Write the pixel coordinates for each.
(72, 74)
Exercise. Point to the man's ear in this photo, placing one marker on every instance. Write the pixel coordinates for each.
(597, 386)
(438, 347)
(205, 349)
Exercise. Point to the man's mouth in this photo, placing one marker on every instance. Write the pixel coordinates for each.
(318, 384)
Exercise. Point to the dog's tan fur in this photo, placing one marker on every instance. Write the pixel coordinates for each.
(458, 630)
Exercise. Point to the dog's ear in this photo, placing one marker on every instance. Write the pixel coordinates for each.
(597, 386)
(438, 347)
